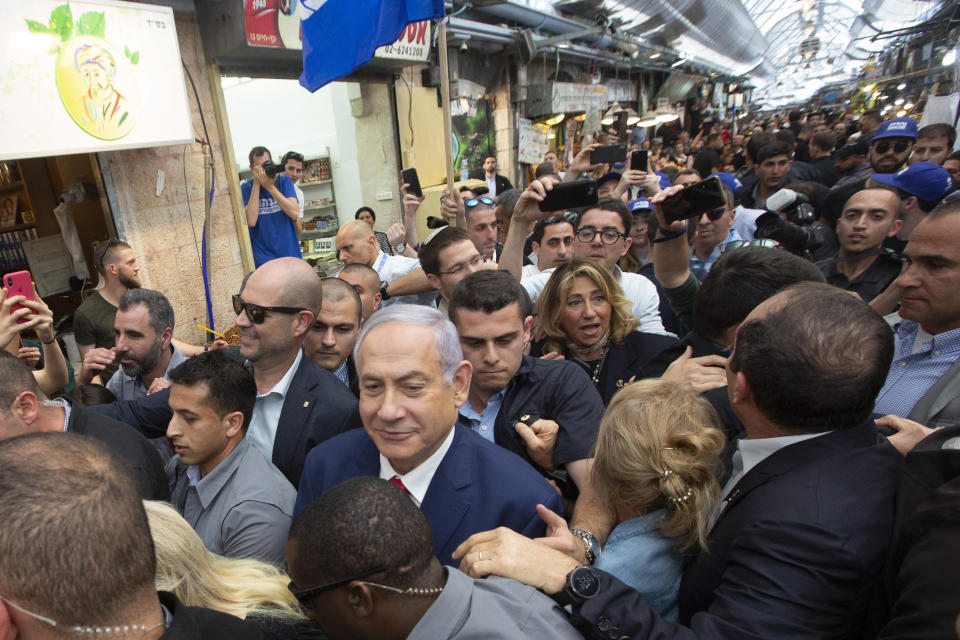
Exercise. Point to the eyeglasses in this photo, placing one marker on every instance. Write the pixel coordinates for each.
(460, 268)
(303, 596)
(607, 236)
(258, 313)
(715, 214)
(769, 243)
(120, 631)
(472, 202)
(898, 147)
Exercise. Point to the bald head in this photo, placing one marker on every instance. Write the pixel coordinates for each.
(869, 217)
(356, 243)
(299, 283)
(366, 283)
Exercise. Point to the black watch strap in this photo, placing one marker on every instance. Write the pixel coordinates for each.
(384, 294)
(582, 584)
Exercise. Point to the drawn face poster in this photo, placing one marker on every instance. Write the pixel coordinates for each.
(90, 76)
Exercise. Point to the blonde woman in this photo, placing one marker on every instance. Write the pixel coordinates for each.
(587, 319)
(246, 588)
(657, 460)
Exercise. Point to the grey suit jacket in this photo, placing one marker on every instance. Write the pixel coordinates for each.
(940, 405)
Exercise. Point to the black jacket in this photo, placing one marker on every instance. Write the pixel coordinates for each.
(317, 407)
(136, 451)
(922, 574)
(194, 623)
(794, 554)
(553, 390)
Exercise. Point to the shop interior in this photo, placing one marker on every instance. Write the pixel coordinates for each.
(281, 116)
(32, 191)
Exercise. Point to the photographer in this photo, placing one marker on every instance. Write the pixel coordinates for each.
(272, 209)
(792, 219)
(862, 265)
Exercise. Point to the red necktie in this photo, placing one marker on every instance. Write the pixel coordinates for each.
(397, 481)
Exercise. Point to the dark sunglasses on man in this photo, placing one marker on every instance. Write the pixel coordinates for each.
(715, 214)
(898, 147)
(733, 245)
(258, 313)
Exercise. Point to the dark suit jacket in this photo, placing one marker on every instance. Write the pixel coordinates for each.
(194, 623)
(317, 406)
(478, 486)
(133, 448)
(794, 554)
(502, 183)
(917, 597)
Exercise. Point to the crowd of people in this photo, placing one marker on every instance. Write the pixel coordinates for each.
(591, 422)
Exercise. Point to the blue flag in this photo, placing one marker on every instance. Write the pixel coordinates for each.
(341, 35)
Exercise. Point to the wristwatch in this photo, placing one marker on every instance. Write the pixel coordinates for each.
(400, 248)
(592, 548)
(384, 296)
(582, 584)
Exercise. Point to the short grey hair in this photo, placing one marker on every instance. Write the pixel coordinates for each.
(445, 337)
(158, 307)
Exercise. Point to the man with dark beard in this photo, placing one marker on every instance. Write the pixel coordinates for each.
(144, 329)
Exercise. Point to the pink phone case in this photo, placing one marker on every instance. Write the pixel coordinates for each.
(18, 283)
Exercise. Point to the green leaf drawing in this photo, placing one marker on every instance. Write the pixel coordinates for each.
(135, 57)
(38, 27)
(92, 23)
(61, 21)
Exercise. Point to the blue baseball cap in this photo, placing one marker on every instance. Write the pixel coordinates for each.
(639, 204)
(926, 180)
(897, 128)
(608, 176)
(728, 179)
(664, 179)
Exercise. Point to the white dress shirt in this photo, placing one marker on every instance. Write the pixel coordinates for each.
(266, 412)
(389, 268)
(492, 184)
(641, 293)
(418, 480)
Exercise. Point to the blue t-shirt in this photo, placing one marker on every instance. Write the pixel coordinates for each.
(275, 234)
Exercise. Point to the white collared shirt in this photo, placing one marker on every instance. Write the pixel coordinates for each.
(492, 185)
(418, 480)
(641, 293)
(389, 268)
(266, 412)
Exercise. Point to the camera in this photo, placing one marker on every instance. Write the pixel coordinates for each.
(791, 220)
(271, 169)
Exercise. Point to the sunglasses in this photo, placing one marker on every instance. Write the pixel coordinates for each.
(303, 596)
(733, 245)
(258, 313)
(715, 214)
(104, 249)
(898, 147)
(472, 202)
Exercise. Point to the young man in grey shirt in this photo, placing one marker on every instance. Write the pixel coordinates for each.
(238, 502)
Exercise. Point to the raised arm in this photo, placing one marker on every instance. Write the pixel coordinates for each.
(525, 212)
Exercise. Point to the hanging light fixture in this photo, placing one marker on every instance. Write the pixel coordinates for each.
(554, 120)
(648, 119)
(610, 114)
(632, 117)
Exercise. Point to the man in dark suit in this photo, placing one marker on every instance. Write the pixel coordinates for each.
(496, 183)
(413, 379)
(299, 404)
(804, 527)
(24, 409)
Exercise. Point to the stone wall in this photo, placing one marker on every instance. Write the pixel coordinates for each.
(166, 230)
(377, 154)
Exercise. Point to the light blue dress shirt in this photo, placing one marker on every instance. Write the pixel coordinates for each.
(483, 423)
(912, 374)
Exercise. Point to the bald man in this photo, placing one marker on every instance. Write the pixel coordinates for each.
(356, 244)
(299, 404)
(330, 340)
(862, 265)
(366, 283)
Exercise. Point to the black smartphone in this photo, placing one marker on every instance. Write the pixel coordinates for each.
(609, 154)
(694, 200)
(570, 195)
(409, 177)
(638, 160)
